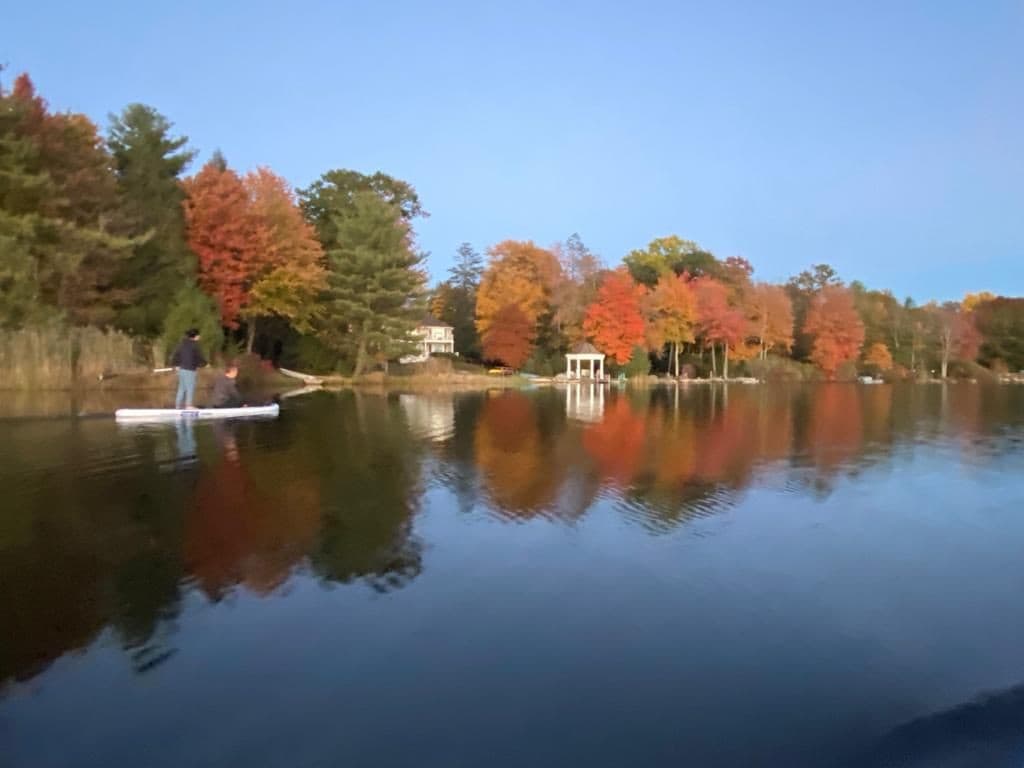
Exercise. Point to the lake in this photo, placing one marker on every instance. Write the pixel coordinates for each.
(703, 576)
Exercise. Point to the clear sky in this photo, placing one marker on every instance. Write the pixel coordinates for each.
(884, 138)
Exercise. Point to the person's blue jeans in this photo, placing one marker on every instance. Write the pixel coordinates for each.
(186, 388)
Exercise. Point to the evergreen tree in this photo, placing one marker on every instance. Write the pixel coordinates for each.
(335, 194)
(373, 299)
(460, 307)
(148, 162)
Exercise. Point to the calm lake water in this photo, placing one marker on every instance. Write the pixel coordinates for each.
(741, 576)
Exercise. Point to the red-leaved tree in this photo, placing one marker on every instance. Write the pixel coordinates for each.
(509, 337)
(719, 322)
(225, 236)
(835, 325)
(613, 322)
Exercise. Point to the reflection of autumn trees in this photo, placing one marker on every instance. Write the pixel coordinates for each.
(519, 464)
(86, 548)
(113, 539)
(250, 522)
(617, 443)
(835, 432)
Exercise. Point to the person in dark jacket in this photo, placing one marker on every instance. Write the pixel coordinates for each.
(187, 358)
(225, 391)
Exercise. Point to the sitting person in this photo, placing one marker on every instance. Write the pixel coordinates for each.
(225, 392)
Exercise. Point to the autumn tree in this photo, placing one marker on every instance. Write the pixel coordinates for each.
(1001, 322)
(718, 321)
(835, 328)
(770, 312)
(62, 232)
(614, 322)
(957, 337)
(519, 273)
(375, 282)
(148, 162)
(288, 274)
(802, 290)
(225, 236)
(509, 338)
(878, 357)
(972, 300)
(670, 254)
(671, 315)
(576, 287)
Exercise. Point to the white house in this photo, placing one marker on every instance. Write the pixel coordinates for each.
(431, 337)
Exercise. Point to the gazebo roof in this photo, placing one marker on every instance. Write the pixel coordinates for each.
(586, 348)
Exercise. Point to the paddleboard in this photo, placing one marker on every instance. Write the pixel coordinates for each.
(159, 414)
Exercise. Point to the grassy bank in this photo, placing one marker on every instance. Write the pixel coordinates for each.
(429, 381)
(61, 358)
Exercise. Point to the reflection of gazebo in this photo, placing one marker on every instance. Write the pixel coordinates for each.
(584, 352)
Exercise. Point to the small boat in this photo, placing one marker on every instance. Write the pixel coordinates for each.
(163, 414)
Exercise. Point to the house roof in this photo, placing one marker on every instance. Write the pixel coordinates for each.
(584, 348)
(429, 321)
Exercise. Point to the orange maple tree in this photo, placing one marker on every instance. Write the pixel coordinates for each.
(519, 273)
(672, 314)
(878, 356)
(771, 317)
(834, 324)
(719, 322)
(509, 337)
(288, 270)
(225, 236)
(613, 322)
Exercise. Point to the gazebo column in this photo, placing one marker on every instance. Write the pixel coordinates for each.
(602, 369)
(591, 369)
(568, 364)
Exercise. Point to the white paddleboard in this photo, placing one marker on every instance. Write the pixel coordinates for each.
(159, 414)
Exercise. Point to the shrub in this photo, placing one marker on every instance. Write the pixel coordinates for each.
(639, 363)
(782, 369)
(193, 309)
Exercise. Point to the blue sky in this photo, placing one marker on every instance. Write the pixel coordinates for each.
(884, 138)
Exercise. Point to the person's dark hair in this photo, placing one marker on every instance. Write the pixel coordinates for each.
(192, 333)
(231, 365)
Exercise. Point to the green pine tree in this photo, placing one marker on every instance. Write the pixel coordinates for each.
(148, 162)
(460, 308)
(375, 282)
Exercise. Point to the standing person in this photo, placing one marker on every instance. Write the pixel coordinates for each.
(225, 391)
(188, 359)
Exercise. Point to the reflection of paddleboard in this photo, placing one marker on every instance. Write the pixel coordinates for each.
(161, 414)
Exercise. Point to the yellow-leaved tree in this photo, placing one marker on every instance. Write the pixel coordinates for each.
(520, 274)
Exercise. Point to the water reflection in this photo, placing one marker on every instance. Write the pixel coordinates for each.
(112, 532)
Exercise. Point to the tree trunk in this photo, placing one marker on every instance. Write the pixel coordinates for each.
(725, 361)
(675, 350)
(947, 347)
(250, 340)
(361, 353)
(714, 364)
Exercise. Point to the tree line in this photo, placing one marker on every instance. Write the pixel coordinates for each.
(105, 229)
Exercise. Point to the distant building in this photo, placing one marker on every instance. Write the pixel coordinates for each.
(431, 337)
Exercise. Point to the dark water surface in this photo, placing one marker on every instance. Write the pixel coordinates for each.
(749, 576)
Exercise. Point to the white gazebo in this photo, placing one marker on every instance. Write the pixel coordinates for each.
(581, 353)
